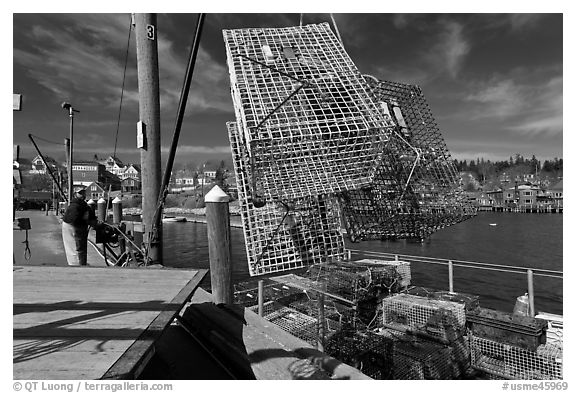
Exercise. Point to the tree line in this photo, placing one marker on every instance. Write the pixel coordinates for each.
(515, 165)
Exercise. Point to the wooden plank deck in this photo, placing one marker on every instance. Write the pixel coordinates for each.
(92, 322)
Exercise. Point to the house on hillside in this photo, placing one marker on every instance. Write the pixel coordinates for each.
(95, 191)
(556, 192)
(87, 172)
(113, 165)
(38, 166)
(130, 185)
(131, 171)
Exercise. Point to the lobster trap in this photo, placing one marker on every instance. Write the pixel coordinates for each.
(388, 354)
(444, 320)
(512, 362)
(416, 188)
(284, 235)
(310, 125)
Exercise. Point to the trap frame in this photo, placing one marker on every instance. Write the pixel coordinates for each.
(284, 235)
(310, 125)
(416, 189)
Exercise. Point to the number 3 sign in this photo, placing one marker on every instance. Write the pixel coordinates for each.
(151, 32)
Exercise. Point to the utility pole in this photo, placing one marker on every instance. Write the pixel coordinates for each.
(149, 97)
(70, 149)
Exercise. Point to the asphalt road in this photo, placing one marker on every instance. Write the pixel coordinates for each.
(44, 241)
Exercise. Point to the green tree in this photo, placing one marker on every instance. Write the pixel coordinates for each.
(39, 182)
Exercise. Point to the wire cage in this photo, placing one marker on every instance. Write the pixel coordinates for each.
(437, 318)
(310, 124)
(512, 362)
(388, 354)
(283, 236)
(358, 281)
(416, 189)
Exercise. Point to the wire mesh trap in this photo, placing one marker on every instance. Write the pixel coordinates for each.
(512, 362)
(309, 123)
(438, 318)
(416, 189)
(388, 354)
(284, 235)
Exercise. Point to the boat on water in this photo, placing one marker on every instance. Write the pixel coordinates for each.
(493, 224)
(173, 219)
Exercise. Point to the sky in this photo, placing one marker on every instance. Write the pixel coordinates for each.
(494, 81)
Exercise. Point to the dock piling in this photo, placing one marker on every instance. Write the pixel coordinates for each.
(531, 291)
(451, 276)
(261, 298)
(218, 226)
(101, 214)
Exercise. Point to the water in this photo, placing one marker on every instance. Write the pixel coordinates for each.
(527, 240)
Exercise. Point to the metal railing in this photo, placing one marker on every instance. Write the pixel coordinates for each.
(452, 263)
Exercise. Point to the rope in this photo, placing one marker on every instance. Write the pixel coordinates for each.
(336, 28)
(123, 82)
(47, 141)
(27, 252)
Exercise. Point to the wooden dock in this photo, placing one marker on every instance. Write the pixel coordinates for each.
(93, 322)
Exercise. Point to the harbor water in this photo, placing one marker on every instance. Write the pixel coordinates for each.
(516, 239)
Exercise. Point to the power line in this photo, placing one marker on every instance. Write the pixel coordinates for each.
(123, 82)
(47, 141)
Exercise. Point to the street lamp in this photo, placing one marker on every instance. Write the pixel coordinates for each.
(66, 106)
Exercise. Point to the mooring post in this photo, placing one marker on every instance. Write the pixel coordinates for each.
(117, 210)
(218, 225)
(451, 276)
(101, 209)
(92, 204)
(117, 220)
(261, 298)
(531, 292)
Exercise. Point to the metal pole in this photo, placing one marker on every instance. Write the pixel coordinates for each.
(531, 292)
(181, 108)
(71, 110)
(261, 298)
(451, 276)
(46, 165)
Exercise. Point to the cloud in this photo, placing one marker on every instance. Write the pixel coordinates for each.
(521, 22)
(85, 59)
(530, 108)
(450, 48)
(501, 98)
(72, 62)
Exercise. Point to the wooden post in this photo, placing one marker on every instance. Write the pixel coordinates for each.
(451, 276)
(149, 108)
(102, 210)
(261, 298)
(117, 210)
(92, 204)
(117, 219)
(531, 292)
(218, 225)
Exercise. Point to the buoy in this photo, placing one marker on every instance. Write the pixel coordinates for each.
(522, 306)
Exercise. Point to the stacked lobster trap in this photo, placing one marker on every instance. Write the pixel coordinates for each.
(416, 189)
(514, 346)
(316, 147)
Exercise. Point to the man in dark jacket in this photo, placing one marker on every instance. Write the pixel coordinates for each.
(75, 225)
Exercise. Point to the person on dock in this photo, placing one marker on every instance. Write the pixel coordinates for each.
(75, 225)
